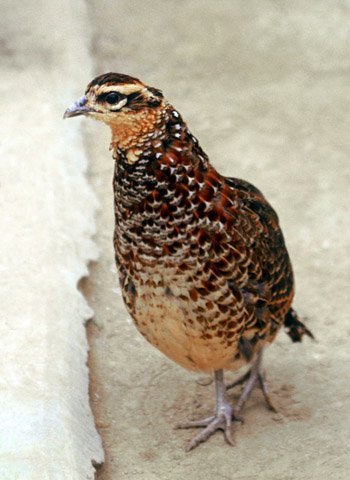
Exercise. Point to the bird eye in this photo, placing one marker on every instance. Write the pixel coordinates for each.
(112, 98)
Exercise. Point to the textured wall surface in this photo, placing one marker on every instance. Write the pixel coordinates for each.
(264, 85)
(46, 221)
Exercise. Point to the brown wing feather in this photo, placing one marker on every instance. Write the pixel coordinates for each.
(270, 276)
(261, 268)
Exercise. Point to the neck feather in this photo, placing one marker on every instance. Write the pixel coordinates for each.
(136, 131)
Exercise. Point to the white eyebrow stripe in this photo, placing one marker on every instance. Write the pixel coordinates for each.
(124, 89)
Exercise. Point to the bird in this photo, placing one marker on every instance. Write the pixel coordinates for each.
(203, 266)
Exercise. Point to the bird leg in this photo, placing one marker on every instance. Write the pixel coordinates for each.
(253, 378)
(222, 419)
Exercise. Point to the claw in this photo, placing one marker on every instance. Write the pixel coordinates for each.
(217, 423)
(225, 413)
(222, 420)
(196, 423)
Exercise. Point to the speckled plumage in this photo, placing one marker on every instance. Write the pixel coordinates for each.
(203, 266)
(201, 257)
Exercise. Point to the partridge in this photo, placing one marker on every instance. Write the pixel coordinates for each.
(203, 266)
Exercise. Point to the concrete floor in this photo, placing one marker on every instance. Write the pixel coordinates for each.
(264, 85)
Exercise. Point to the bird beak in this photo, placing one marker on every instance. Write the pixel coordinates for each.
(78, 108)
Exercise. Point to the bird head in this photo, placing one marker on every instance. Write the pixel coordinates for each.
(131, 108)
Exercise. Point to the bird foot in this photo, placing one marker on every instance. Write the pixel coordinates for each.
(253, 378)
(225, 413)
(221, 421)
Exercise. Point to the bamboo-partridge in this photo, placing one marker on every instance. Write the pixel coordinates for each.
(203, 266)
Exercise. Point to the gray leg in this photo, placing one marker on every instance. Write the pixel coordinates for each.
(222, 419)
(253, 378)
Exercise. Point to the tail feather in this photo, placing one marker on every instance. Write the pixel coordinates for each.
(295, 327)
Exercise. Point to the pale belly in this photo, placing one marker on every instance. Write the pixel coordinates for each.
(169, 320)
